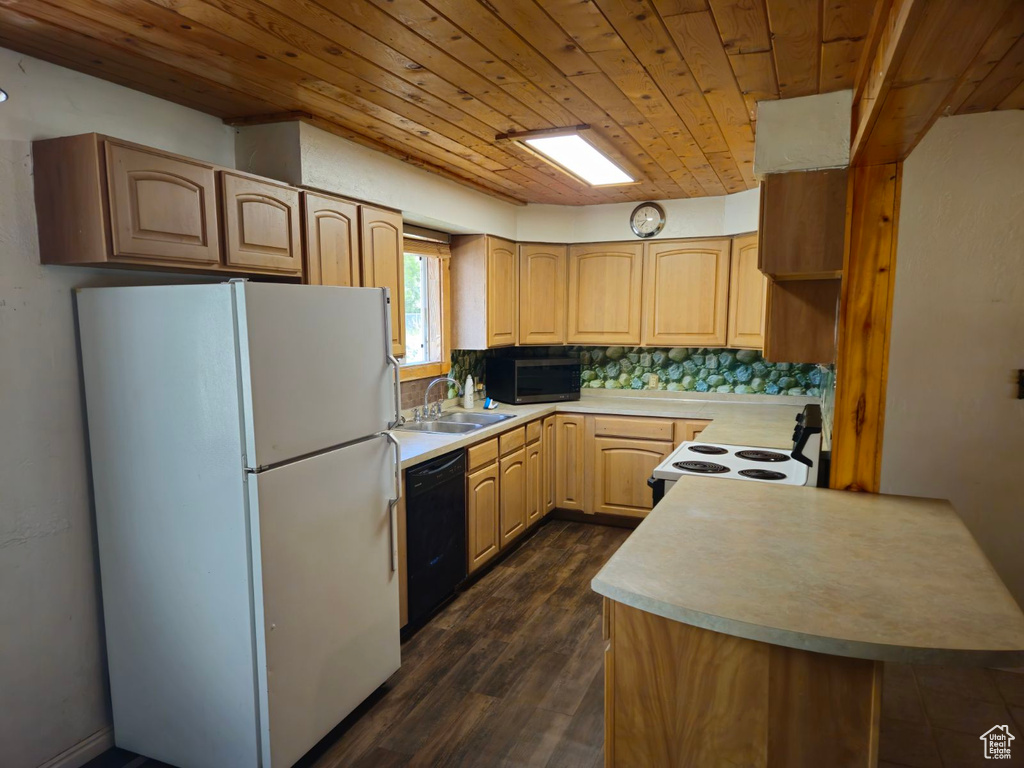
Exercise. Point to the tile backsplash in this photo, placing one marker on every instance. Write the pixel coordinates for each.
(675, 369)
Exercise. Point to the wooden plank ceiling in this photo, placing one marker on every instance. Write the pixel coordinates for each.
(668, 86)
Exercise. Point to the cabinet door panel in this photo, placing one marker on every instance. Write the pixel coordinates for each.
(621, 469)
(748, 295)
(542, 294)
(332, 241)
(501, 292)
(161, 208)
(534, 484)
(686, 289)
(512, 495)
(383, 264)
(569, 486)
(482, 515)
(550, 462)
(605, 286)
(261, 225)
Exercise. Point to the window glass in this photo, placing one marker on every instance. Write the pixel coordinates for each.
(417, 310)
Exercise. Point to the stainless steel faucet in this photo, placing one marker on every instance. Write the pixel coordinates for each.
(429, 412)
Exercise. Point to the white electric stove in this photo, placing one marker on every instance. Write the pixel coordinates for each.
(732, 462)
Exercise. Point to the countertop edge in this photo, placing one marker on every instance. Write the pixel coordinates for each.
(833, 646)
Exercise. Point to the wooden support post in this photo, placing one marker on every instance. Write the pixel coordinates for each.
(864, 323)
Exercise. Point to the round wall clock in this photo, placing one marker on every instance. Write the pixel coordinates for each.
(647, 219)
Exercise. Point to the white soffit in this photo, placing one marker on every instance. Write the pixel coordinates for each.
(803, 134)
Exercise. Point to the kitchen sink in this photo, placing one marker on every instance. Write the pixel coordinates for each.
(483, 419)
(435, 425)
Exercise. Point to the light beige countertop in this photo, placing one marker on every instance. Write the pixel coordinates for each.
(763, 421)
(893, 578)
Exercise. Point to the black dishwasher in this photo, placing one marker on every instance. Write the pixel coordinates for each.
(435, 530)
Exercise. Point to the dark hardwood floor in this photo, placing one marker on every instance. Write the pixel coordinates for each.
(507, 674)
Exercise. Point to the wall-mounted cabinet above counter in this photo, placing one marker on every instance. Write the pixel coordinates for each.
(101, 201)
(700, 293)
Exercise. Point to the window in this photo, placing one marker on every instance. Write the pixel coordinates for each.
(417, 310)
(427, 351)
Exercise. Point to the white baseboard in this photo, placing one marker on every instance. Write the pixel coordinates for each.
(83, 751)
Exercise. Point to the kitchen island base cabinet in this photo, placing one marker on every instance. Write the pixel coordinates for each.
(685, 697)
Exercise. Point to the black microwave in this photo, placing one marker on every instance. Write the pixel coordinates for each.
(517, 380)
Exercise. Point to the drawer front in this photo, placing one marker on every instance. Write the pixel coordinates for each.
(688, 429)
(640, 429)
(512, 440)
(533, 431)
(482, 454)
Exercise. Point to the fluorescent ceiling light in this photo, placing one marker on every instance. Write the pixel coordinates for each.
(3, 95)
(580, 158)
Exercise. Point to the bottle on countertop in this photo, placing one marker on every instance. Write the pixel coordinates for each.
(467, 393)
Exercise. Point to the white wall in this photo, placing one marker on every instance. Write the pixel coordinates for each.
(52, 671)
(953, 426)
(303, 154)
(803, 134)
(694, 217)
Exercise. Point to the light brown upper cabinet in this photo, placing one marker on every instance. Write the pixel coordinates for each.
(485, 279)
(686, 293)
(383, 264)
(332, 240)
(748, 294)
(803, 224)
(101, 201)
(605, 286)
(261, 225)
(161, 207)
(542, 293)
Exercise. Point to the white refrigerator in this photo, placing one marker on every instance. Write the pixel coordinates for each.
(245, 484)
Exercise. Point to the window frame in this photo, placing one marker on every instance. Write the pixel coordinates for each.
(439, 286)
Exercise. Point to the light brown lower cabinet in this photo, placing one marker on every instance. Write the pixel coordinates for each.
(621, 468)
(482, 500)
(569, 446)
(550, 462)
(688, 429)
(512, 496)
(534, 501)
(678, 695)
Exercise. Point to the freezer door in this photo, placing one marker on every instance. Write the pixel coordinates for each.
(327, 590)
(317, 368)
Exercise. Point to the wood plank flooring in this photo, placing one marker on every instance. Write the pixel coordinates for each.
(508, 674)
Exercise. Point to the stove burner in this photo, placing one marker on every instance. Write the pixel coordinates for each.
(701, 467)
(762, 474)
(707, 450)
(757, 454)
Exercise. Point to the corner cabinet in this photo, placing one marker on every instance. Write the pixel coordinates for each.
(686, 293)
(485, 282)
(569, 442)
(605, 290)
(261, 225)
(331, 227)
(542, 272)
(383, 264)
(748, 296)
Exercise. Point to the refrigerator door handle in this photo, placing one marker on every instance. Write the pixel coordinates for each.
(392, 360)
(393, 502)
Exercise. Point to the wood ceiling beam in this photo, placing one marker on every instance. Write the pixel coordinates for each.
(927, 52)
